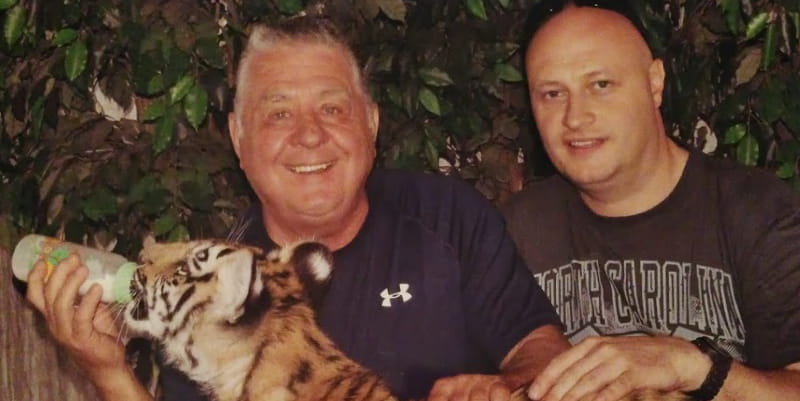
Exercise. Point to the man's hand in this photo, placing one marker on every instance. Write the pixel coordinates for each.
(470, 388)
(86, 329)
(608, 368)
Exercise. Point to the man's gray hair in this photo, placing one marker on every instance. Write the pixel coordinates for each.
(302, 29)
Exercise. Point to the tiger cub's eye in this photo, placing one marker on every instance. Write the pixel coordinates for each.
(202, 255)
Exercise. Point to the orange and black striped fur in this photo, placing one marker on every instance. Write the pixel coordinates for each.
(241, 324)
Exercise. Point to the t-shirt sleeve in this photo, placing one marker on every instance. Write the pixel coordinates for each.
(761, 227)
(502, 299)
(770, 288)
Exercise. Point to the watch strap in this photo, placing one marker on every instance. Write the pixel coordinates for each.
(720, 366)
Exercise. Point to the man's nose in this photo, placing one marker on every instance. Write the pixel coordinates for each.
(310, 132)
(579, 112)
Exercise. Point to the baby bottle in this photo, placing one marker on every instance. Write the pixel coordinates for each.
(112, 271)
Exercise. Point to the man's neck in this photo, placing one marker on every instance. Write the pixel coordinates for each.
(642, 190)
(333, 234)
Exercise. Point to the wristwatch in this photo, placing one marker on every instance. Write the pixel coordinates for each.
(720, 365)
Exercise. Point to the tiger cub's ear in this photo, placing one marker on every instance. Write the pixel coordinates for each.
(314, 265)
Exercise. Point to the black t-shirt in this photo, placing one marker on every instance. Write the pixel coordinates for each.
(431, 286)
(720, 256)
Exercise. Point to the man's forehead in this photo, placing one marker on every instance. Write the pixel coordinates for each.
(280, 91)
(565, 35)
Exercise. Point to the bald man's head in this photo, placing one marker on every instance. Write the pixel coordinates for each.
(595, 91)
(593, 28)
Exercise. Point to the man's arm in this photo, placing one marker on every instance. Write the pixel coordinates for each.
(525, 360)
(608, 368)
(745, 384)
(532, 355)
(85, 329)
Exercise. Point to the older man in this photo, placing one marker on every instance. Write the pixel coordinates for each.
(427, 290)
(639, 236)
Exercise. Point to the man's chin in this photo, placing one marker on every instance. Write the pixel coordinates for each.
(588, 178)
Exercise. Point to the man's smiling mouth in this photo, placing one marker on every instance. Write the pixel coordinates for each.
(586, 143)
(310, 168)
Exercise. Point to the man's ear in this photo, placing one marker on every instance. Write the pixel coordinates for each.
(374, 117)
(233, 131)
(656, 75)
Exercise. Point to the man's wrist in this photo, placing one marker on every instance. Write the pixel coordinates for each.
(720, 366)
(118, 383)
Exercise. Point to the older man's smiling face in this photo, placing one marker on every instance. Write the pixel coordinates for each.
(307, 135)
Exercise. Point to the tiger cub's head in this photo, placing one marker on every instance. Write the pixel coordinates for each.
(181, 285)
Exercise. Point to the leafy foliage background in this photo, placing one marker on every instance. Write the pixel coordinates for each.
(112, 112)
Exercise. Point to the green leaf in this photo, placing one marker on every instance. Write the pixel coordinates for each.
(99, 204)
(788, 151)
(394, 9)
(14, 25)
(756, 25)
(432, 154)
(430, 101)
(145, 70)
(37, 116)
(65, 37)
(155, 84)
(289, 7)
(208, 49)
(734, 134)
(792, 116)
(747, 151)
(6, 4)
(786, 170)
(165, 130)
(165, 223)
(771, 106)
(195, 105)
(155, 110)
(75, 59)
(178, 91)
(477, 9)
(175, 63)
(733, 12)
(433, 76)
(504, 3)
(199, 195)
(141, 188)
(394, 94)
(770, 46)
(179, 233)
(507, 73)
(156, 201)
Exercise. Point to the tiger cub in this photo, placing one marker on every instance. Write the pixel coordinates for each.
(240, 322)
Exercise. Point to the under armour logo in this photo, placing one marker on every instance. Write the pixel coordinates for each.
(387, 298)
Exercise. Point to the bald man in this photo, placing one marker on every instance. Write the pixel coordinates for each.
(670, 270)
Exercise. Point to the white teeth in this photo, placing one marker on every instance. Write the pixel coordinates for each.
(582, 144)
(310, 168)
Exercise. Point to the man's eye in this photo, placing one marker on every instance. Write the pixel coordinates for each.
(602, 84)
(279, 115)
(331, 109)
(551, 94)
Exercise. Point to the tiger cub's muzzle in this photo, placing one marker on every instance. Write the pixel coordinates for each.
(139, 310)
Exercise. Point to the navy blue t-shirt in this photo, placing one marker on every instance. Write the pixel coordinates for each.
(431, 286)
